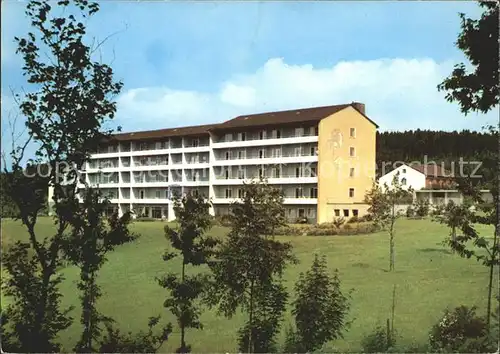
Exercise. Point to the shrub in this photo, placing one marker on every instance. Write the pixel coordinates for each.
(410, 212)
(421, 208)
(353, 220)
(302, 220)
(223, 220)
(365, 218)
(460, 330)
(379, 341)
(338, 222)
(145, 218)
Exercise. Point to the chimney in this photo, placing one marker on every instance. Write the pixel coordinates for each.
(359, 106)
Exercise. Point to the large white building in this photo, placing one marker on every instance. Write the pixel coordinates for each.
(141, 171)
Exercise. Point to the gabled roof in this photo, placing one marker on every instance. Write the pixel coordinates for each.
(313, 114)
(431, 170)
(163, 133)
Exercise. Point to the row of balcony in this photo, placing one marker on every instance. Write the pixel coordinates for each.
(203, 143)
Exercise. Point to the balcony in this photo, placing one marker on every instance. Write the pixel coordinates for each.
(286, 201)
(282, 179)
(268, 140)
(257, 159)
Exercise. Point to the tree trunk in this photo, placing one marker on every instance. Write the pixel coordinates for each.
(250, 320)
(391, 240)
(183, 329)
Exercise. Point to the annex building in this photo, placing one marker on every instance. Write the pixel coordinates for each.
(323, 159)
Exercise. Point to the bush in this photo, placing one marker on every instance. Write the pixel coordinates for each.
(303, 220)
(379, 341)
(421, 208)
(460, 330)
(145, 218)
(365, 218)
(353, 220)
(338, 222)
(410, 212)
(223, 220)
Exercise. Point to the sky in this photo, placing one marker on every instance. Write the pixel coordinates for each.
(187, 63)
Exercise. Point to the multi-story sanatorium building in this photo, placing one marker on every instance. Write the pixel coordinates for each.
(323, 159)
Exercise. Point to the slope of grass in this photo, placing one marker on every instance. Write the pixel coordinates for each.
(428, 278)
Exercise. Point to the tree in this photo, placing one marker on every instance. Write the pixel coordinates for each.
(192, 215)
(91, 238)
(320, 308)
(249, 264)
(479, 91)
(64, 114)
(383, 204)
(454, 216)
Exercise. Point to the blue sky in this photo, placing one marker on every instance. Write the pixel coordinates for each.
(186, 63)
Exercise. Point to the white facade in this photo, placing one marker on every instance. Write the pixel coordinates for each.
(142, 175)
(407, 176)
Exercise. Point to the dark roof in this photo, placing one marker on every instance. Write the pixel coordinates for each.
(163, 133)
(432, 170)
(313, 114)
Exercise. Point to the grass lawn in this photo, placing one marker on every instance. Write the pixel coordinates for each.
(428, 278)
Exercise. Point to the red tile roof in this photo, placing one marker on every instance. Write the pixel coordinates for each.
(313, 114)
(432, 170)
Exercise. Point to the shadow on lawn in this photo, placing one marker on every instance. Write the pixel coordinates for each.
(434, 250)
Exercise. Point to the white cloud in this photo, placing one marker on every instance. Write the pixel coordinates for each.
(398, 93)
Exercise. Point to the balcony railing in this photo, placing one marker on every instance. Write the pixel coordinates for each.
(263, 156)
(265, 175)
(223, 139)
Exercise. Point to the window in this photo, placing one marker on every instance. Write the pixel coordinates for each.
(354, 212)
(403, 181)
(261, 173)
(278, 134)
(261, 135)
(240, 193)
(298, 172)
(309, 212)
(403, 170)
(313, 172)
(277, 172)
(157, 194)
(158, 145)
(167, 194)
(351, 172)
(277, 152)
(351, 192)
(227, 174)
(227, 155)
(141, 195)
(261, 154)
(274, 133)
(240, 154)
(313, 151)
(352, 151)
(298, 151)
(289, 211)
(311, 130)
(353, 132)
(346, 213)
(302, 213)
(228, 137)
(195, 143)
(241, 174)
(243, 136)
(229, 193)
(299, 131)
(313, 193)
(316, 131)
(298, 192)
(336, 212)
(195, 192)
